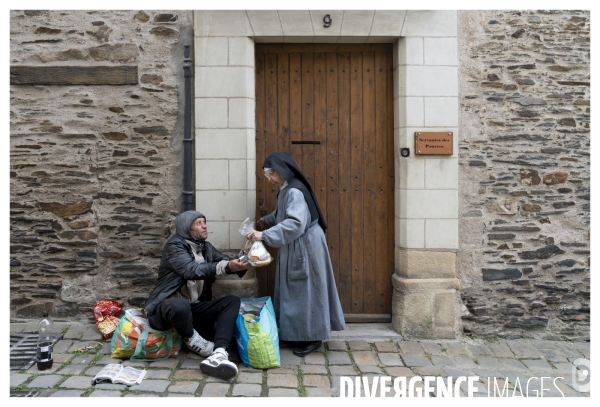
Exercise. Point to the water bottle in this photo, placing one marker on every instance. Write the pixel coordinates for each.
(44, 345)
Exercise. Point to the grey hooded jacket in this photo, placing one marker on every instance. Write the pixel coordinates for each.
(178, 265)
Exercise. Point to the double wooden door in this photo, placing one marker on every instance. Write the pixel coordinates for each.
(330, 106)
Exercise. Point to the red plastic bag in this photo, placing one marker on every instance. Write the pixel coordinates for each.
(106, 315)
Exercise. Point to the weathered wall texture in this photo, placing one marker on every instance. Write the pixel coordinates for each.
(95, 169)
(524, 258)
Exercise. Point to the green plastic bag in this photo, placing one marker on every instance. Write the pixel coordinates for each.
(256, 333)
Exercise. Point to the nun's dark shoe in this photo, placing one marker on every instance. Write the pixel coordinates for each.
(304, 348)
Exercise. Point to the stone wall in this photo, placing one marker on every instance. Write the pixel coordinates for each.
(96, 117)
(524, 257)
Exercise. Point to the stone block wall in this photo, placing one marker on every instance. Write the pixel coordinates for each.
(524, 113)
(96, 121)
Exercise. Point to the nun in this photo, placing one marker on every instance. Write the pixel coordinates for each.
(306, 302)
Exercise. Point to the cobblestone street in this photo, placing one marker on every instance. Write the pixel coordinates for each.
(82, 353)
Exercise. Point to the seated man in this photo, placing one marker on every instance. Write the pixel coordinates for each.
(182, 296)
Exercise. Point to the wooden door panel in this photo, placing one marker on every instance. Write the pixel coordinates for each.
(330, 106)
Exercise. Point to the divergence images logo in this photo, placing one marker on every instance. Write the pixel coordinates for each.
(581, 375)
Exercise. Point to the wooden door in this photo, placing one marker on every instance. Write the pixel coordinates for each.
(330, 106)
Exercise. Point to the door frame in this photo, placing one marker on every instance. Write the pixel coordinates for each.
(425, 301)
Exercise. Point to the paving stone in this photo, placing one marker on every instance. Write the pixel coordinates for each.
(105, 360)
(336, 345)
(501, 350)
(72, 369)
(513, 364)
(93, 371)
(568, 351)
(110, 386)
(190, 364)
(537, 365)
(487, 362)
(390, 359)
(316, 381)
(479, 350)
(319, 392)
(454, 348)
(356, 345)
(84, 346)
(315, 358)
(239, 390)
(92, 334)
(188, 374)
(523, 349)
(410, 347)
(83, 359)
(59, 359)
(369, 369)
(415, 360)
(342, 370)
(75, 331)
(442, 361)
(18, 378)
(211, 379)
(17, 327)
(141, 395)
(282, 380)
(183, 387)
(215, 390)
(385, 346)
(67, 393)
(464, 362)
(138, 365)
(543, 344)
(283, 393)
(251, 378)
(428, 371)
(288, 358)
(170, 363)
(284, 370)
(432, 348)
(31, 327)
(157, 386)
(157, 374)
(554, 355)
(335, 380)
(484, 373)
(105, 393)
(62, 346)
(105, 348)
(180, 395)
(564, 367)
(45, 381)
(338, 358)
(451, 371)
(313, 369)
(400, 371)
(364, 358)
(76, 382)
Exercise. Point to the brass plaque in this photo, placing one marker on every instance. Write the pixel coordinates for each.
(433, 142)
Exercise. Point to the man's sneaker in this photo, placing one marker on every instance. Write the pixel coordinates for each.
(199, 345)
(219, 366)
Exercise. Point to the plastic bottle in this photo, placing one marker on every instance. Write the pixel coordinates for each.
(44, 345)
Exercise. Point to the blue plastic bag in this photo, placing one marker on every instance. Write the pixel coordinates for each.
(256, 334)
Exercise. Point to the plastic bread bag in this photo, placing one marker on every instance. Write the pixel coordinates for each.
(258, 255)
(247, 227)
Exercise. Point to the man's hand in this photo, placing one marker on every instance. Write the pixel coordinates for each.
(261, 224)
(254, 236)
(236, 265)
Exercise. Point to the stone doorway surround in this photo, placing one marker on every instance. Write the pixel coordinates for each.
(426, 301)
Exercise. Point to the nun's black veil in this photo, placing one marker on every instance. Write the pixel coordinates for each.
(285, 165)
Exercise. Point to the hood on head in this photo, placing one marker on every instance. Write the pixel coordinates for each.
(184, 222)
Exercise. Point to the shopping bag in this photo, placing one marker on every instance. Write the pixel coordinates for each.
(134, 339)
(256, 333)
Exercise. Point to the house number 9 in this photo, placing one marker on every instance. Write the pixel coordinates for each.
(327, 20)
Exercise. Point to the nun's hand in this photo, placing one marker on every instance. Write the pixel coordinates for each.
(261, 224)
(254, 236)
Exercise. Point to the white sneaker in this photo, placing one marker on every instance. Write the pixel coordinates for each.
(219, 366)
(199, 345)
